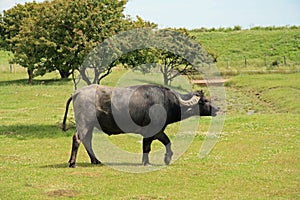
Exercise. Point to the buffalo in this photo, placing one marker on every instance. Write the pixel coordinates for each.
(141, 109)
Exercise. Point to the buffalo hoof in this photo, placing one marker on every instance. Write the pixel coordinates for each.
(96, 162)
(146, 164)
(145, 160)
(72, 165)
(168, 158)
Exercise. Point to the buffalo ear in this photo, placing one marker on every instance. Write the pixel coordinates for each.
(199, 93)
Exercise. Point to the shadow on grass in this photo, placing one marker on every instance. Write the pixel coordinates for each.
(24, 132)
(56, 166)
(130, 164)
(89, 165)
(66, 165)
(36, 82)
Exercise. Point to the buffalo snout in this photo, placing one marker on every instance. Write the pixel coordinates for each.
(214, 110)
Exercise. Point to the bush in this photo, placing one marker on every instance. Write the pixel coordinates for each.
(275, 63)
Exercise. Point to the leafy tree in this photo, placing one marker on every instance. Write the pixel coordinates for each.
(1, 31)
(118, 50)
(57, 35)
(141, 59)
(82, 25)
(174, 51)
(136, 58)
(172, 66)
(183, 58)
(11, 23)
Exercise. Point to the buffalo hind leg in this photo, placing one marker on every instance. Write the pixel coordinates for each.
(87, 142)
(163, 138)
(146, 149)
(75, 146)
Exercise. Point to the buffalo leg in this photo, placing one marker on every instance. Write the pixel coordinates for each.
(87, 142)
(75, 146)
(163, 138)
(146, 149)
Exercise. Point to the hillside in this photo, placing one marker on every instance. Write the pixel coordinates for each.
(261, 48)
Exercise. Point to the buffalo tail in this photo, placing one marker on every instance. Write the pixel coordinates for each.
(64, 126)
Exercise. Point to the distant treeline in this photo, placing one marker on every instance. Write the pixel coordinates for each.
(239, 28)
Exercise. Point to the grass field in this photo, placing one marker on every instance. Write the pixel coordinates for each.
(263, 50)
(257, 156)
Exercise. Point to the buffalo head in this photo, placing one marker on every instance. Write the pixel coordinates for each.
(199, 105)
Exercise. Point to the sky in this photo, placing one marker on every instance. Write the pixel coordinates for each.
(210, 13)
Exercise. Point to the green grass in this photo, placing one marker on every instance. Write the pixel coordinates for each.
(267, 93)
(260, 47)
(257, 156)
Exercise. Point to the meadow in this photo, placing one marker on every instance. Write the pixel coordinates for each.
(257, 155)
(253, 51)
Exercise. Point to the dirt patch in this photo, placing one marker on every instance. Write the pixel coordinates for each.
(62, 193)
(210, 82)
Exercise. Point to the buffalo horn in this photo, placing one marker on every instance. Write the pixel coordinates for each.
(193, 101)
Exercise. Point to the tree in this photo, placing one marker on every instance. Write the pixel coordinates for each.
(2, 30)
(118, 50)
(174, 50)
(141, 59)
(11, 22)
(178, 61)
(10, 25)
(77, 30)
(172, 66)
(57, 35)
(135, 59)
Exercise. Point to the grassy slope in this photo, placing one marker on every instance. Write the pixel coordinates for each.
(255, 45)
(257, 156)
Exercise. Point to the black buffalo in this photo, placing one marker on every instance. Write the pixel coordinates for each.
(142, 109)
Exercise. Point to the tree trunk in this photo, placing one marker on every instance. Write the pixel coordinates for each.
(64, 73)
(30, 76)
(166, 79)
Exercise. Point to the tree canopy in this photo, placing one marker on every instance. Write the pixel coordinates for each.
(173, 51)
(58, 34)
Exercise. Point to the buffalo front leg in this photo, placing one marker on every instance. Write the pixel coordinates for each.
(146, 149)
(163, 138)
(75, 146)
